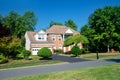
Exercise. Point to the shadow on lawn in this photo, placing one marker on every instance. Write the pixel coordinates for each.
(45, 59)
(18, 58)
(114, 60)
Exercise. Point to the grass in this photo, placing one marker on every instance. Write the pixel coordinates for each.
(92, 56)
(34, 60)
(109, 72)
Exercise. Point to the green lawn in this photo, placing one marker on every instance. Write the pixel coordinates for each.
(109, 72)
(34, 60)
(92, 56)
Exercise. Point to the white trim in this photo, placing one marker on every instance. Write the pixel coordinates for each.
(64, 49)
(69, 31)
(41, 32)
(27, 42)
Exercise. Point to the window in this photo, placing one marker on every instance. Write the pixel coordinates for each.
(33, 49)
(59, 37)
(53, 37)
(41, 37)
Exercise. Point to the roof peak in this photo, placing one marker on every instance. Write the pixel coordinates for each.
(60, 29)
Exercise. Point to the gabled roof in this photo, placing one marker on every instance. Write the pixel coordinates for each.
(31, 37)
(59, 29)
(41, 32)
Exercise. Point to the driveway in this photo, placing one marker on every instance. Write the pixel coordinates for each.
(67, 58)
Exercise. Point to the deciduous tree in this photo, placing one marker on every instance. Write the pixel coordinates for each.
(19, 24)
(106, 24)
(75, 40)
(70, 23)
(54, 23)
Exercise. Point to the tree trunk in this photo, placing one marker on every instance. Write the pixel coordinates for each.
(108, 48)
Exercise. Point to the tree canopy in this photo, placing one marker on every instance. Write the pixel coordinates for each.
(70, 23)
(103, 28)
(75, 40)
(12, 29)
(4, 31)
(54, 23)
(19, 24)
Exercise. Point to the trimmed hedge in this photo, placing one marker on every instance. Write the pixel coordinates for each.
(45, 53)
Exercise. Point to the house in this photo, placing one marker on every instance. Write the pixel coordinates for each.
(53, 38)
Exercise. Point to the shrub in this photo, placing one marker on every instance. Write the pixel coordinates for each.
(59, 51)
(45, 52)
(83, 51)
(76, 50)
(26, 54)
(3, 59)
(10, 46)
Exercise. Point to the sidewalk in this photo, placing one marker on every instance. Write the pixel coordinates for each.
(18, 72)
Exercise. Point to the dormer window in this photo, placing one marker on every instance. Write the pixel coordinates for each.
(41, 37)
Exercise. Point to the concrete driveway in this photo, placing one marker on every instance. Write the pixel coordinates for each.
(67, 58)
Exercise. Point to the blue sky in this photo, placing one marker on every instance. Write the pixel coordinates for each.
(56, 10)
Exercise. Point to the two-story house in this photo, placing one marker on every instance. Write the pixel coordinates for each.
(53, 38)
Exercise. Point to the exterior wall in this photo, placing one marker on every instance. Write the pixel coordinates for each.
(67, 49)
(27, 42)
(80, 45)
(57, 43)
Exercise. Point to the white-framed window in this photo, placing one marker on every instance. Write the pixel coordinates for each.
(53, 37)
(59, 37)
(41, 37)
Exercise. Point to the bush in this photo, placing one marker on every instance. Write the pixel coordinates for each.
(26, 54)
(3, 59)
(59, 51)
(76, 50)
(10, 47)
(45, 53)
(83, 51)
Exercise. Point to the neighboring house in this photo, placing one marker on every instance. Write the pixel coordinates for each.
(53, 38)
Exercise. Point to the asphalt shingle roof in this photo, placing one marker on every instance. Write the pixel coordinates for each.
(59, 29)
(55, 29)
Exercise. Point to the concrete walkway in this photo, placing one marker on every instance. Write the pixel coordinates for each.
(18, 72)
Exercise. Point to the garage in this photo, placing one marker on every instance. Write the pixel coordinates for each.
(35, 50)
